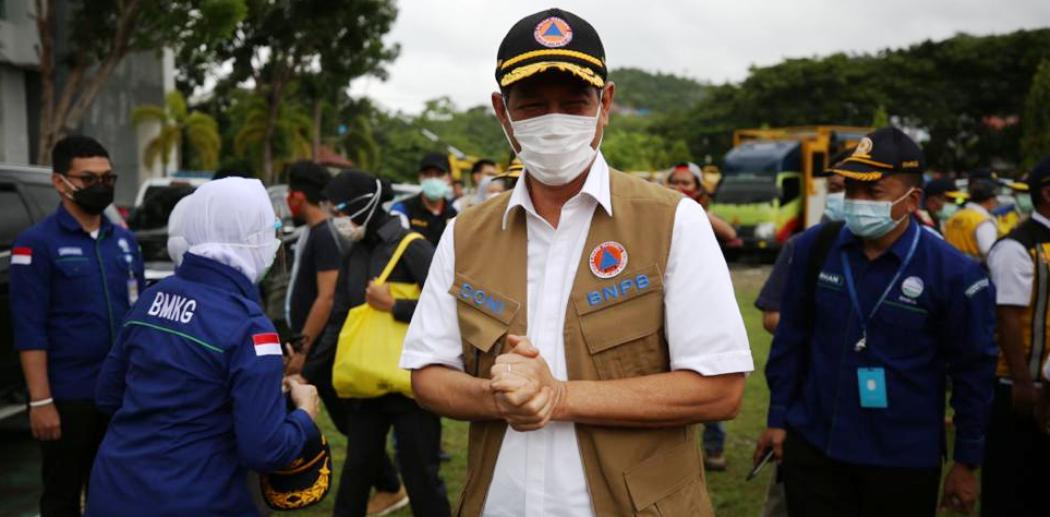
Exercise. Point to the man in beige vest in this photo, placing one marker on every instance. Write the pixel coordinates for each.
(583, 322)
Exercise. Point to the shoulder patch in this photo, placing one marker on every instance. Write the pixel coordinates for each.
(22, 256)
(267, 343)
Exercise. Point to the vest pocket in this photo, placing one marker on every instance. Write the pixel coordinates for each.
(625, 339)
(667, 483)
(484, 319)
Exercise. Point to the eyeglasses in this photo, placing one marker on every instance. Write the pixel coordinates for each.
(90, 180)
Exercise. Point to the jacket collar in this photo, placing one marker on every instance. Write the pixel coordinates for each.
(596, 186)
(70, 224)
(899, 248)
(204, 270)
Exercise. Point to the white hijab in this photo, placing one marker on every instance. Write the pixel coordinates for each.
(177, 244)
(230, 221)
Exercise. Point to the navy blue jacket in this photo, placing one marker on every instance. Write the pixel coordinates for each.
(937, 322)
(69, 293)
(194, 384)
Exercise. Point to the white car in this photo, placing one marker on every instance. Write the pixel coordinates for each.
(152, 185)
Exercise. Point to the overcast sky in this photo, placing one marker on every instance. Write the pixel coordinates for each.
(448, 47)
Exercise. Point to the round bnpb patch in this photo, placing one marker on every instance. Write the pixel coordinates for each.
(608, 259)
(912, 287)
(553, 32)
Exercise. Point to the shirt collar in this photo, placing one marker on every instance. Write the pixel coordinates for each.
(211, 272)
(978, 208)
(596, 186)
(899, 248)
(69, 223)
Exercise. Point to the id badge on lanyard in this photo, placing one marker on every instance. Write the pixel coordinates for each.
(133, 283)
(871, 382)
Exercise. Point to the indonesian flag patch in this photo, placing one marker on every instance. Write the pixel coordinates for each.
(22, 256)
(267, 344)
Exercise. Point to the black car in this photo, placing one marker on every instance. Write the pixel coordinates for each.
(26, 197)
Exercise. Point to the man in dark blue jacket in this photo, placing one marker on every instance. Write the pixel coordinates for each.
(74, 276)
(860, 360)
(194, 379)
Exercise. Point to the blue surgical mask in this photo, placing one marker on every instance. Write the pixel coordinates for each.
(833, 210)
(947, 211)
(434, 188)
(1024, 204)
(871, 219)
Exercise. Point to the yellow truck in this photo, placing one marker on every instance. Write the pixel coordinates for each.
(769, 188)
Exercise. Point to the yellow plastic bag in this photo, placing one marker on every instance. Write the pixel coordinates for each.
(369, 346)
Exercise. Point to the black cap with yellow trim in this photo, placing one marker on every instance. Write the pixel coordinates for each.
(303, 483)
(882, 152)
(551, 40)
(514, 170)
(1039, 177)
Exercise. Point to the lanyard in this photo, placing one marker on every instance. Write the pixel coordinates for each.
(863, 342)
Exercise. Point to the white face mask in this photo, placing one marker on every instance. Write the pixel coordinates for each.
(345, 224)
(348, 229)
(555, 148)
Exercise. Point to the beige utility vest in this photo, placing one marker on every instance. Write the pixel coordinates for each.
(614, 329)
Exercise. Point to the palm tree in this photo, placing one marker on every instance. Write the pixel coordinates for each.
(200, 129)
(291, 131)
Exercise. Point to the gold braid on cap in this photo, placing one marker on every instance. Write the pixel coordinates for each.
(299, 498)
(860, 176)
(552, 52)
(582, 72)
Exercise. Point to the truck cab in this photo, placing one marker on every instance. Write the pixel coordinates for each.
(771, 187)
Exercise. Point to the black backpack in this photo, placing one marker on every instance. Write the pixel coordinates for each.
(826, 236)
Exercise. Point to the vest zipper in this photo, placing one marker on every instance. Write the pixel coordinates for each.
(105, 284)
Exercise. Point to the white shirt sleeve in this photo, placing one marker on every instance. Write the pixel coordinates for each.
(1011, 270)
(433, 335)
(986, 234)
(705, 330)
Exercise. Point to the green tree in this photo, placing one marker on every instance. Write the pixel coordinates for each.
(176, 121)
(98, 35)
(880, 118)
(325, 45)
(1035, 144)
(951, 89)
(287, 134)
(646, 92)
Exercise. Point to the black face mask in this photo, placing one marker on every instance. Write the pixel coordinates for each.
(93, 199)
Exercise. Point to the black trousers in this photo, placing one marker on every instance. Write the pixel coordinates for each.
(418, 440)
(318, 370)
(1016, 471)
(67, 461)
(819, 486)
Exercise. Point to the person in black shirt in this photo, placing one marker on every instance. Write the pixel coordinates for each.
(357, 197)
(311, 290)
(428, 212)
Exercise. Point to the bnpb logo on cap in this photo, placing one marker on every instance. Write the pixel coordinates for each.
(608, 259)
(553, 32)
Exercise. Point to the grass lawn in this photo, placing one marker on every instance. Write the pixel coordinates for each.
(732, 496)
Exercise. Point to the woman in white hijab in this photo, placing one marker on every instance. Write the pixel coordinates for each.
(194, 379)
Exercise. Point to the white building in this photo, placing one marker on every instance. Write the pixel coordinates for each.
(141, 78)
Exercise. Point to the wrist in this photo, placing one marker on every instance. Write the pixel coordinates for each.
(39, 403)
(562, 409)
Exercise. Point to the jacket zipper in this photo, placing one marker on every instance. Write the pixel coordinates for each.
(105, 285)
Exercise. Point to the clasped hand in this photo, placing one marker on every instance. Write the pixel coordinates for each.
(527, 395)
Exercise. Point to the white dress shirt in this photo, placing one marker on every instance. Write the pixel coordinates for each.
(1011, 269)
(540, 473)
